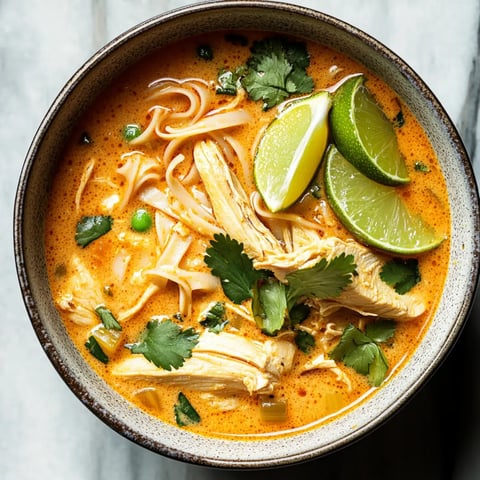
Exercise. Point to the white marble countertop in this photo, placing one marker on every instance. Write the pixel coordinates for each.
(45, 432)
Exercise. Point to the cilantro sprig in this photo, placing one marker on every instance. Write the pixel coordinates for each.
(165, 344)
(401, 274)
(226, 260)
(361, 350)
(275, 70)
(274, 302)
(215, 318)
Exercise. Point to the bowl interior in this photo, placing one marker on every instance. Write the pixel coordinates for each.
(46, 150)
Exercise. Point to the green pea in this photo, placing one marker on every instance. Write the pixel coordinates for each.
(131, 131)
(141, 220)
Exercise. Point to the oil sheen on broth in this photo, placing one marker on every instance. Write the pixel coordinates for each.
(101, 176)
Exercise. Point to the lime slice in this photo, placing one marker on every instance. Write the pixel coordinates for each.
(291, 149)
(372, 212)
(364, 135)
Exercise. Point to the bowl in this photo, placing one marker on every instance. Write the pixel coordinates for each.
(46, 149)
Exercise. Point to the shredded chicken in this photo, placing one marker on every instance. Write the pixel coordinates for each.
(221, 362)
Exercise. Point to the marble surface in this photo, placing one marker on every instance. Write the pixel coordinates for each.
(45, 432)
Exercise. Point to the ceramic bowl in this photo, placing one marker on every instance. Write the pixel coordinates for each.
(46, 149)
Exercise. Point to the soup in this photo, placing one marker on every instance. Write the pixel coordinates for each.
(167, 267)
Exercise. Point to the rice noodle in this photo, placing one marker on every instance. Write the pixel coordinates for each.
(87, 173)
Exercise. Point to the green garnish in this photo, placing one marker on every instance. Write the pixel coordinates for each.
(165, 344)
(215, 319)
(269, 305)
(96, 350)
(205, 52)
(276, 70)
(304, 341)
(229, 82)
(401, 274)
(399, 120)
(131, 131)
(274, 302)
(361, 351)
(227, 261)
(90, 228)
(141, 220)
(323, 280)
(185, 414)
(421, 167)
(107, 318)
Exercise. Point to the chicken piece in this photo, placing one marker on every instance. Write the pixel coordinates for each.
(231, 205)
(81, 294)
(367, 293)
(221, 362)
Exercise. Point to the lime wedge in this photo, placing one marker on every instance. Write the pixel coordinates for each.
(291, 149)
(372, 212)
(364, 135)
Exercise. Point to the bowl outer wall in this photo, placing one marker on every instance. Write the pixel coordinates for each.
(46, 150)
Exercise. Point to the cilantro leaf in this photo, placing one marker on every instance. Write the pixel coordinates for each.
(361, 352)
(269, 305)
(107, 318)
(304, 341)
(185, 414)
(323, 280)
(165, 344)
(90, 228)
(401, 274)
(215, 319)
(95, 349)
(227, 261)
(276, 70)
(381, 330)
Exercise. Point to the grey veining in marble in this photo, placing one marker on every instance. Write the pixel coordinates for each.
(45, 431)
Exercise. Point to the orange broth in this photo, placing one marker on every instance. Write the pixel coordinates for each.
(312, 397)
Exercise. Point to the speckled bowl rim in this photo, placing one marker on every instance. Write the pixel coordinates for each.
(182, 445)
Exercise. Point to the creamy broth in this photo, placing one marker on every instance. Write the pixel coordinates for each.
(117, 260)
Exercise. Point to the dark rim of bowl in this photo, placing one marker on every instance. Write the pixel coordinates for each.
(75, 384)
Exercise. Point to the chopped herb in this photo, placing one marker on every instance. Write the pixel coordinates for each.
(215, 319)
(323, 280)
(401, 274)
(85, 139)
(131, 131)
(421, 167)
(362, 353)
(107, 318)
(90, 228)
(185, 414)
(381, 330)
(227, 261)
(269, 305)
(304, 341)
(205, 52)
(229, 82)
(399, 120)
(165, 344)
(315, 189)
(96, 350)
(298, 313)
(276, 70)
